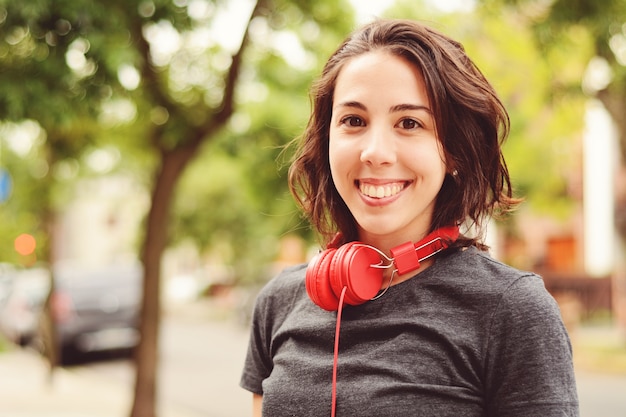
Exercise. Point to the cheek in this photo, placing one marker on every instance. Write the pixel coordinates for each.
(426, 157)
(437, 160)
(336, 157)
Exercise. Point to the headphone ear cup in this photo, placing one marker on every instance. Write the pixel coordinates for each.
(335, 277)
(351, 267)
(317, 281)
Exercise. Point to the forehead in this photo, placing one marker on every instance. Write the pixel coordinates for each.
(379, 75)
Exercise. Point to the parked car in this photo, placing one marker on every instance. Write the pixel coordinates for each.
(92, 310)
(22, 296)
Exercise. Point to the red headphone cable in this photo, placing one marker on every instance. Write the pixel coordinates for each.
(336, 354)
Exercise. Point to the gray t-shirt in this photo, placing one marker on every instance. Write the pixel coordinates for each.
(468, 336)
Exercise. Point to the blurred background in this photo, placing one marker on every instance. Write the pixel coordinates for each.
(144, 201)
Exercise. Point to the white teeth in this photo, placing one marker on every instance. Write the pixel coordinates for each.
(381, 191)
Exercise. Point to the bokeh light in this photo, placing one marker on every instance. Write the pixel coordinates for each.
(25, 244)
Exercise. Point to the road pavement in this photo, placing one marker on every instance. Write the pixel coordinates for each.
(200, 364)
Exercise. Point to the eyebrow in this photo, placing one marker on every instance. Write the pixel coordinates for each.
(405, 107)
(354, 104)
(392, 109)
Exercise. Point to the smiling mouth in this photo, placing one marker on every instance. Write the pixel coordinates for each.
(381, 190)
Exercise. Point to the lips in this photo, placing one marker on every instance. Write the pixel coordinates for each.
(381, 190)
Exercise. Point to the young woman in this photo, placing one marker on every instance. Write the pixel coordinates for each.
(401, 315)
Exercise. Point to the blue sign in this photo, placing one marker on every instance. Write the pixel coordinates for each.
(5, 185)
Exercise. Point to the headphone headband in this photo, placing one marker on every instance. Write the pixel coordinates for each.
(357, 267)
(407, 257)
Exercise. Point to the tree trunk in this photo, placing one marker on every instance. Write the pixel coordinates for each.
(146, 354)
(173, 162)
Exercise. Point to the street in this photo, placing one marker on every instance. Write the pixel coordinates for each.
(201, 360)
(200, 364)
(601, 395)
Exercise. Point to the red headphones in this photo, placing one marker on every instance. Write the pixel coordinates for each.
(359, 267)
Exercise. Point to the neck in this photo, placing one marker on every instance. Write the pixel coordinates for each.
(397, 279)
(411, 257)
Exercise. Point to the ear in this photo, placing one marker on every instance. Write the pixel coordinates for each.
(451, 170)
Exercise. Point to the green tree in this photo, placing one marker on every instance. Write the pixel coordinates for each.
(63, 61)
(559, 27)
(247, 202)
(23, 159)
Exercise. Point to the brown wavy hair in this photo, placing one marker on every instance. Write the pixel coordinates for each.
(471, 123)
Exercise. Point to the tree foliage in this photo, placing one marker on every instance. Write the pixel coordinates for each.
(559, 26)
(247, 202)
(92, 73)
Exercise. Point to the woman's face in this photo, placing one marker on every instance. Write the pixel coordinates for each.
(385, 159)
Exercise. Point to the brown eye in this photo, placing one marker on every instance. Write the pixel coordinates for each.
(409, 124)
(353, 121)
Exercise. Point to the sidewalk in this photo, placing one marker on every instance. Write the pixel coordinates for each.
(27, 391)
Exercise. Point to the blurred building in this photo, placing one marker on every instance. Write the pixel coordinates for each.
(100, 225)
(579, 257)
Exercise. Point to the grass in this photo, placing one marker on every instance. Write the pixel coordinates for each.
(4, 345)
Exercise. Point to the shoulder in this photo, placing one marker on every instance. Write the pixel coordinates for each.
(517, 297)
(482, 263)
(478, 272)
(518, 286)
(287, 282)
(503, 290)
(281, 292)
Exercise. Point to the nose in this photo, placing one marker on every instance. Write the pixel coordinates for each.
(378, 147)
